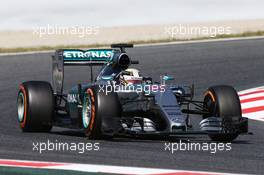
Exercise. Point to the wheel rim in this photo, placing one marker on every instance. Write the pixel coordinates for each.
(87, 111)
(20, 107)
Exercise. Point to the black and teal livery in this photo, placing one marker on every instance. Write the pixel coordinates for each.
(163, 112)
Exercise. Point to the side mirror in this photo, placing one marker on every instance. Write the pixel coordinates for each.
(166, 78)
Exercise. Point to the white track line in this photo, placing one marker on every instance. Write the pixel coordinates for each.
(103, 168)
(255, 115)
(201, 41)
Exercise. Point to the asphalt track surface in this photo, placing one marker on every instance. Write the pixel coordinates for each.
(237, 63)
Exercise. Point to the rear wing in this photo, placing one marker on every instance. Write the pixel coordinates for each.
(73, 57)
(91, 57)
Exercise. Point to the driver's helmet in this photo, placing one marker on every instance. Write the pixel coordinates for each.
(131, 76)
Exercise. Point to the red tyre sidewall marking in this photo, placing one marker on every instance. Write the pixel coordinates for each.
(209, 93)
(22, 89)
(90, 92)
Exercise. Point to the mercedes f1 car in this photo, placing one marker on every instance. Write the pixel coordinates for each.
(120, 101)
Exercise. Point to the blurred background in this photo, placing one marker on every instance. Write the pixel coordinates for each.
(121, 20)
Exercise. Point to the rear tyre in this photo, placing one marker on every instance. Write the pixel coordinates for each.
(223, 101)
(101, 114)
(35, 106)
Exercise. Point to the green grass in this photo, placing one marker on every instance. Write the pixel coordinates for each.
(45, 48)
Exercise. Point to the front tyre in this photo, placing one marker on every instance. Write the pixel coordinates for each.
(100, 113)
(223, 101)
(35, 106)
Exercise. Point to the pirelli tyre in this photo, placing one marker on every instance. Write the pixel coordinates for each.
(35, 106)
(101, 113)
(223, 101)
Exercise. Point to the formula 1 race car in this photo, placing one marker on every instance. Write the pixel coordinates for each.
(122, 102)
